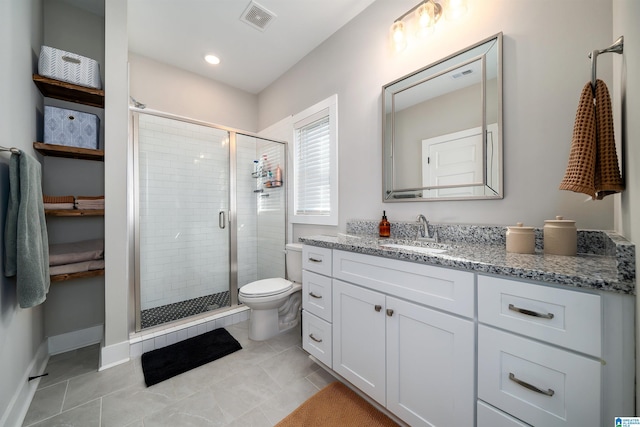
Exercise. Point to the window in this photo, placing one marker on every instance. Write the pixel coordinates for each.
(315, 164)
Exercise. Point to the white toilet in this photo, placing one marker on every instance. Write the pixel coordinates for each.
(275, 303)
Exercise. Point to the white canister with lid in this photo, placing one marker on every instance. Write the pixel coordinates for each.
(521, 240)
(560, 237)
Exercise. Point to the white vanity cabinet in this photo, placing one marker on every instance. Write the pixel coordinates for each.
(437, 346)
(389, 342)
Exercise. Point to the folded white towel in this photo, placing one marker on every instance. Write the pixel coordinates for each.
(58, 205)
(77, 267)
(68, 253)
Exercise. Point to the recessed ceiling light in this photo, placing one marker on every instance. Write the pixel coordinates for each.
(212, 59)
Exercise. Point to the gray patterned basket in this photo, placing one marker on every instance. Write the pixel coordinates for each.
(69, 67)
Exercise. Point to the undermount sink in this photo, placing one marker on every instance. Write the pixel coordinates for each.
(420, 249)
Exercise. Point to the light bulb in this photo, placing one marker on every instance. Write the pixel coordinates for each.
(454, 9)
(424, 14)
(397, 33)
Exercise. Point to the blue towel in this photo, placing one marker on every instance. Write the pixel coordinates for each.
(26, 240)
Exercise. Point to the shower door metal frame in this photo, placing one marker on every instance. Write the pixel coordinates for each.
(232, 213)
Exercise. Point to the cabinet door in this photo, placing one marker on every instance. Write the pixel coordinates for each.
(359, 338)
(430, 366)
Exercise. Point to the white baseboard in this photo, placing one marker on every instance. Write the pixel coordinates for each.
(114, 355)
(76, 339)
(19, 405)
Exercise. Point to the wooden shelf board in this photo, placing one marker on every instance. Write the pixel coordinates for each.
(57, 89)
(74, 212)
(80, 275)
(68, 152)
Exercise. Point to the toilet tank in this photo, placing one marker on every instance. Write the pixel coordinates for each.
(294, 262)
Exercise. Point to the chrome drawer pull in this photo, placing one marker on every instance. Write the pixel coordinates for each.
(315, 260)
(529, 312)
(513, 378)
(314, 338)
(314, 295)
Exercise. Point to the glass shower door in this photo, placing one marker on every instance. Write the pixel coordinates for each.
(182, 207)
(261, 208)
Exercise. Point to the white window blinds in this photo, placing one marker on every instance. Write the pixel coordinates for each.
(313, 166)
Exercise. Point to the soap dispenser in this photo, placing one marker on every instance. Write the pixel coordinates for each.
(385, 226)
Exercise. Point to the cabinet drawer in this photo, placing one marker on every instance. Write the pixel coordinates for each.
(443, 288)
(567, 318)
(488, 416)
(316, 259)
(510, 366)
(316, 294)
(317, 338)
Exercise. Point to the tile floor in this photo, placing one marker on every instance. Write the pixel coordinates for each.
(256, 386)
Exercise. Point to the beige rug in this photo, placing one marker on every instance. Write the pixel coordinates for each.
(336, 405)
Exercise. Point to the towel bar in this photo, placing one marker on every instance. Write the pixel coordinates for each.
(616, 47)
(14, 150)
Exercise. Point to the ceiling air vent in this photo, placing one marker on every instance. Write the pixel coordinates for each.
(257, 16)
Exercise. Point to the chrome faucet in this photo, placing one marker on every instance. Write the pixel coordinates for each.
(425, 233)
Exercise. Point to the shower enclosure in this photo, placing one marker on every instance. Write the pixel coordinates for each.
(206, 220)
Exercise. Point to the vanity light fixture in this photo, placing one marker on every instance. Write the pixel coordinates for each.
(427, 14)
(212, 59)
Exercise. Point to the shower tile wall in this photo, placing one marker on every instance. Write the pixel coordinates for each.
(247, 211)
(271, 217)
(183, 185)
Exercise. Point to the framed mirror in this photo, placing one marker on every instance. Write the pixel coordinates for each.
(442, 128)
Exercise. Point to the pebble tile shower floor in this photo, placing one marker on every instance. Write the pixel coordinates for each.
(179, 310)
(256, 386)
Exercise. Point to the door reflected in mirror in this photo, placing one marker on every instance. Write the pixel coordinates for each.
(442, 128)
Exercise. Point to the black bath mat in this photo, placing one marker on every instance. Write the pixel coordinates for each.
(175, 359)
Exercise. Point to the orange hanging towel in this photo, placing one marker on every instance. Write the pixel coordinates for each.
(593, 161)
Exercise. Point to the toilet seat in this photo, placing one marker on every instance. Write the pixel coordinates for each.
(266, 287)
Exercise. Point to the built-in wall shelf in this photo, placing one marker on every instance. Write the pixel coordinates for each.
(80, 275)
(74, 212)
(68, 152)
(57, 89)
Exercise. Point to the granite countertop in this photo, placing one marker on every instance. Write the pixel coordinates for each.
(608, 272)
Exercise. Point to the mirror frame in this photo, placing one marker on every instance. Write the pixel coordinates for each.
(390, 194)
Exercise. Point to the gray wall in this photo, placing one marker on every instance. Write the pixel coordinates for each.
(545, 68)
(165, 88)
(21, 330)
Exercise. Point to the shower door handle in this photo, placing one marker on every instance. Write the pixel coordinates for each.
(222, 223)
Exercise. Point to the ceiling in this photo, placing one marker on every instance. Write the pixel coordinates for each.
(182, 32)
